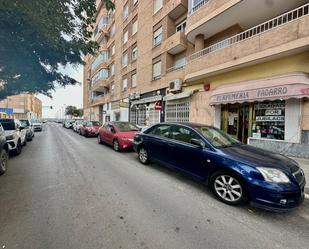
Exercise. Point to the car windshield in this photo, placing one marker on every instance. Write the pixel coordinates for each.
(24, 123)
(216, 137)
(36, 121)
(125, 126)
(8, 126)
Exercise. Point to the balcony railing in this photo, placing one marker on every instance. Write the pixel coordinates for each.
(198, 6)
(257, 30)
(176, 67)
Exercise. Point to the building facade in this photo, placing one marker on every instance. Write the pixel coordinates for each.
(240, 65)
(22, 106)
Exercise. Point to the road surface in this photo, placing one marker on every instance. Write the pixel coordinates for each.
(66, 191)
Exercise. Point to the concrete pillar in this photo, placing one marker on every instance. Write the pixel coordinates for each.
(199, 43)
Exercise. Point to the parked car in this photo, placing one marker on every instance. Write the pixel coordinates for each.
(235, 172)
(118, 134)
(4, 151)
(68, 124)
(37, 125)
(89, 128)
(29, 129)
(77, 125)
(15, 134)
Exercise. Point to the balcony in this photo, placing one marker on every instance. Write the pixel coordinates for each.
(209, 17)
(100, 85)
(101, 99)
(176, 8)
(176, 43)
(175, 72)
(272, 39)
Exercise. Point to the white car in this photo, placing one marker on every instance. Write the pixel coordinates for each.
(15, 134)
(37, 125)
(77, 124)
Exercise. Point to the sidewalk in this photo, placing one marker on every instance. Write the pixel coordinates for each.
(304, 164)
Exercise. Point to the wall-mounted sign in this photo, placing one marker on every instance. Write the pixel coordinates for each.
(273, 112)
(270, 119)
(206, 87)
(124, 104)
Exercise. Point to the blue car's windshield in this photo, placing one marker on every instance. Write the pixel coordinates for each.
(216, 137)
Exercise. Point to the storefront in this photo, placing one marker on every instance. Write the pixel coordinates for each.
(147, 109)
(265, 112)
(116, 111)
(177, 107)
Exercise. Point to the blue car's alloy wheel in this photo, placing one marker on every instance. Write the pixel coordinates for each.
(143, 155)
(229, 188)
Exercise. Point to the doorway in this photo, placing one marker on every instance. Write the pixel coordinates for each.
(237, 120)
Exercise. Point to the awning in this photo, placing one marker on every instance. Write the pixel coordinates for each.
(146, 100)
(293, 85)
(178, 96)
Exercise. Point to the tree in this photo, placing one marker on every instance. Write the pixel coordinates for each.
(73, 111)
(37, 37)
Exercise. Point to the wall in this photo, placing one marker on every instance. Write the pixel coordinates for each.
(200, 110)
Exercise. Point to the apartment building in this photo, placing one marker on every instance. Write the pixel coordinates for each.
(240, 65)
(22, 106)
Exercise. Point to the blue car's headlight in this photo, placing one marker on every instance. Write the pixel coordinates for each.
(273, 175)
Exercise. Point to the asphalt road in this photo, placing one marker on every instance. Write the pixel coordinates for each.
(66, 191)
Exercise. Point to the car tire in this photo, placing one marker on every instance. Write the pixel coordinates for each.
(3, 161)
(25, 142)
(18, 149)
(99, 139)
(229, 188)
(116, 145)
(143, 155)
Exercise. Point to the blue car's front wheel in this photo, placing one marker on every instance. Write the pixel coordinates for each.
(229, 188)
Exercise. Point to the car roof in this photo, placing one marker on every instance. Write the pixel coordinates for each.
(7, 119)
(192, 125)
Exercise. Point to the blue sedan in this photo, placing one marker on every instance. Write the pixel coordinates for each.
(235, 172)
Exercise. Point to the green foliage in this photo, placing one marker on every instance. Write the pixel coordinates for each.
(37, 37)
(73, 111)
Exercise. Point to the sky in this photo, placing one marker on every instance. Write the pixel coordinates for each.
(70, 95)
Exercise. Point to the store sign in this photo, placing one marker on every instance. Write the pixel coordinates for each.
(270, 119)
(274, 105)
(273, 112)
(124, 104)
(276, 92)
(158, 106)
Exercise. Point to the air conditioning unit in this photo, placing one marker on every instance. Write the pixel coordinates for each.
(175, 85)
(131, 96)
(137, 95)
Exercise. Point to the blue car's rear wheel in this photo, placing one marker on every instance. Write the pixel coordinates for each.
(229, 188)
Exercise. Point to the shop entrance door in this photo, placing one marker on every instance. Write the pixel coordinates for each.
(236, 120)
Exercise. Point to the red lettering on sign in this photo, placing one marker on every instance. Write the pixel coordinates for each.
(304, 90)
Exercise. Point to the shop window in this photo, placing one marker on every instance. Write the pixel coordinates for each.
(177, 111)
(269, 120)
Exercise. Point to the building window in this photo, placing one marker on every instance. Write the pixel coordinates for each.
(124, 84)
(125, 36)
(112, 88)
(102, 57)
(134, 27)
(113, 49)
(157, 5)
(156, 70)
(269, 120)
(135, 2)
(134, 53)
(181, 27)
(112, 69)
(125, 11)
(101, 75)
(125, 60)
(113, 29)
(133, 80)
(157, 37)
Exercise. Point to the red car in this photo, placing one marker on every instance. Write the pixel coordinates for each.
(89, 128)
(118, 134)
